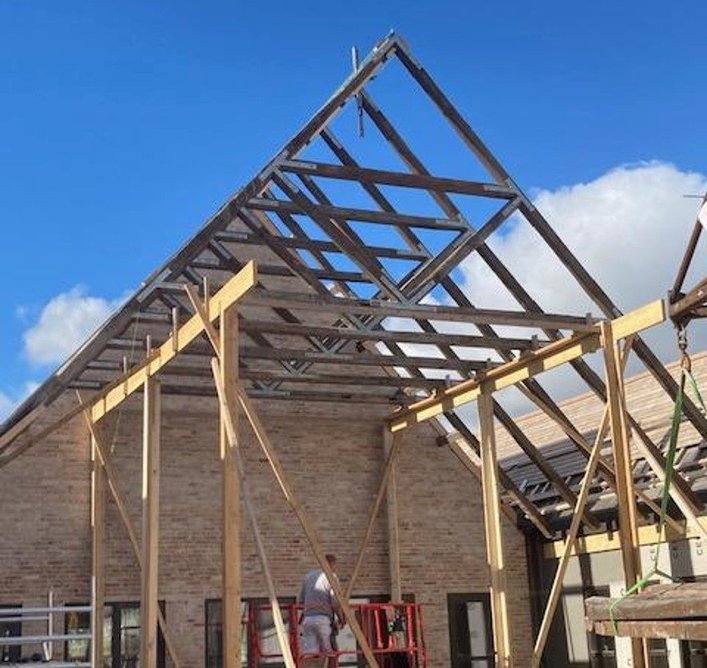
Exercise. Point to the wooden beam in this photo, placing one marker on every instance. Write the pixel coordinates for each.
(399, 336)
(317, 245)
(232, 436)
(122, 506)
(384, 308)
(360, 215)
(98, 579)
(609, 541)
(227, 346)
(554, 354)
(391, 497)
(678, 629)
(510, 373)
(342, 379)
(607, 472)
(390, 456)
(308, 528)
(402, 179)
(361, 359)
(123, 387)
(494, 534)
(556, 589)
(625, 494)
(150, 523)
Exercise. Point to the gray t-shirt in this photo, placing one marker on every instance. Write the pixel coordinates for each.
(316, 595)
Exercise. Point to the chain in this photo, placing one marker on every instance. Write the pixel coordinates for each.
(685, 360)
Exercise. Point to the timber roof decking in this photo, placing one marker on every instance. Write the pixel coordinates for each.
(337, 303)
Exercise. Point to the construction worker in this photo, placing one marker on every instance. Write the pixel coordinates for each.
(321, 618)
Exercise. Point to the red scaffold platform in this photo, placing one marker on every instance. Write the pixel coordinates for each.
(394, 632)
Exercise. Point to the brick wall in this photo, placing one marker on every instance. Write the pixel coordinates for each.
(333, 456)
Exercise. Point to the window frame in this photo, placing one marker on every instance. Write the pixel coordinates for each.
(14, 652)
(454, 600)
(116, 607)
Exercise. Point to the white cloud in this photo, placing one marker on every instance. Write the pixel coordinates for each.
(629, 229)
(10, 401)
(64, 323)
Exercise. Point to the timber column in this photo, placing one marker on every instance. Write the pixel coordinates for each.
(150, 522)
(625, 493)
(228, 341)
(494, 536)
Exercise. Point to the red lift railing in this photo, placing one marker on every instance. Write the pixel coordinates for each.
(394, 632)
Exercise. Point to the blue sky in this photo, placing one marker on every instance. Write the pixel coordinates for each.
(124, 125)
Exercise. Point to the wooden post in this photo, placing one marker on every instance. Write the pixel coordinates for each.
(556, 590)
(150, 523)
(396, 593)
(228, 344)
(98, 583)
(280, 630)
(122, 506)
(625, 495)
(494, 536)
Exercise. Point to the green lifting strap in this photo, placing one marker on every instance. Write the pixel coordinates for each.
(685, 373)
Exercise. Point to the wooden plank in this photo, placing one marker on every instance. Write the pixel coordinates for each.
(229, 294)
(121, 505)
(98, 579)
(638, 320)
(494, 534)
(150, 523)
(676, 600)
(608, 541)
(391, 497)
(677, 629)
(384, 308)
(510, 373)
(526, 366)
(227, 346)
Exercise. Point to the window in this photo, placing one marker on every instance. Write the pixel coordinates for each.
(214, 633)
(470, 638)
(74, 623)
(694, 653)
(10, 629)
(121, 636)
